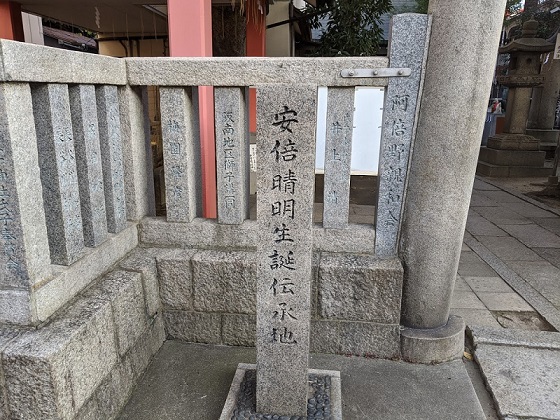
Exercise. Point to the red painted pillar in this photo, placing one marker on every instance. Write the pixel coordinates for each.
(190, 35)
(11, 24)
(255, 47)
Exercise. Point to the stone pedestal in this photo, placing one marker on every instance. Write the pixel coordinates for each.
(511, 155)
(515, 152)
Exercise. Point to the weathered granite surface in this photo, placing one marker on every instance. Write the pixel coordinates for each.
(232, 154)
(285, 179)
(59, 178)
(338, 155)
(409, 44)
(181, 151)
(83, 107)
(108, 115)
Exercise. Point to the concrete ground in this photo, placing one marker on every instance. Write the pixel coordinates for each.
(507, 290)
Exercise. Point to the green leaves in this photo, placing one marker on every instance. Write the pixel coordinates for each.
(353, 27)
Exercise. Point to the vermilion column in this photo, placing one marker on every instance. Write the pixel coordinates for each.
(255, 47)
(11, 25)
(190, 35)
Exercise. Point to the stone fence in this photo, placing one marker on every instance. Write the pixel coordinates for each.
(77, 168)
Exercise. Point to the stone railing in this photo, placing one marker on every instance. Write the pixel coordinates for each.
(76, 162)
(75, 171)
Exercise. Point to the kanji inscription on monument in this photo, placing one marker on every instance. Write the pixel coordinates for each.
(285, 157)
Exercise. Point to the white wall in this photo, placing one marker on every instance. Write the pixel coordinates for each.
(32, 29)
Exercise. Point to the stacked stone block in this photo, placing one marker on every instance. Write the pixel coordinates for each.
(84, 363)
(209, 296)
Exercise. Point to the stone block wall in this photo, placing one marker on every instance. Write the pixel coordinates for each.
(209, 296)
(84, 363)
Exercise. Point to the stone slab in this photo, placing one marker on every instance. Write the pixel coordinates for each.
(518, 142)
(520, 338)
(360, 288)
(543, 306)
(461, 284)
(471, 265)
(466, 300)
(286, 118)
(523, 381)
(338, 155)
(543, 276)
(508, 248)
(143, 260)
(88, 162)
(232, 154)
(552, 255)
(181, 152)
(123, 289)
(369, 339)
(530, 210)
(175, 279)
(409, 47)
(239, 330)
(476, 317)
(504, 302)
(25, 257)
(67, 282)
(499, 171)
(502, 216)
(483, 186)
(533, 236)
(137, 152)
(512, 157)
(479, 200)
(501, 197)
(551, 224)
(50, 364)
(479, 226)
(59, 178)
(320, 398)
(251, 71)
(110, 137)
(25, 62)
(193, 327)
(224, 282)
(488, 284)
(192, 381)
(208, 234)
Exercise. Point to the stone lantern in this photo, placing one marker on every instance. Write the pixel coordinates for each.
(514, 153)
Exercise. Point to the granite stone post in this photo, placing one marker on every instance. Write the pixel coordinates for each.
(286, 119)
(57, 160)
(24, 247)
(408, 48)
(181, 153)
(88, 162)
(451, 119)
(112, 156)
(338, 156)
(232, 154)
(137, 152)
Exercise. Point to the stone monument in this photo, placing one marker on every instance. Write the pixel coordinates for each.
(514, 152)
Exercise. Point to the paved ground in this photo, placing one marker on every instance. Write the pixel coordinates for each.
(507, 290)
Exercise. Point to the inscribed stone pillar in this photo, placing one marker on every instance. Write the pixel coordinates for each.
(459, 70)
(24, 248)
(409, 42)
(112, 156)
(338, 155)
(57, 159)
(181, 153)
(232, 154)
(88, 162)
(286, 174)
(137, 152)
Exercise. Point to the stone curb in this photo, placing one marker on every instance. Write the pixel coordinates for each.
(517, 338)
(546, 309)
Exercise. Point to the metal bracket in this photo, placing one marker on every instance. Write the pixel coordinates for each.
(381, 72)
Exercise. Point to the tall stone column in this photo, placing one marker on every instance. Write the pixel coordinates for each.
(459, 70)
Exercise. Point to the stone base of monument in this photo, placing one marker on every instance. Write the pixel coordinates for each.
(512, 155)
(324, 397)
(437, 345)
